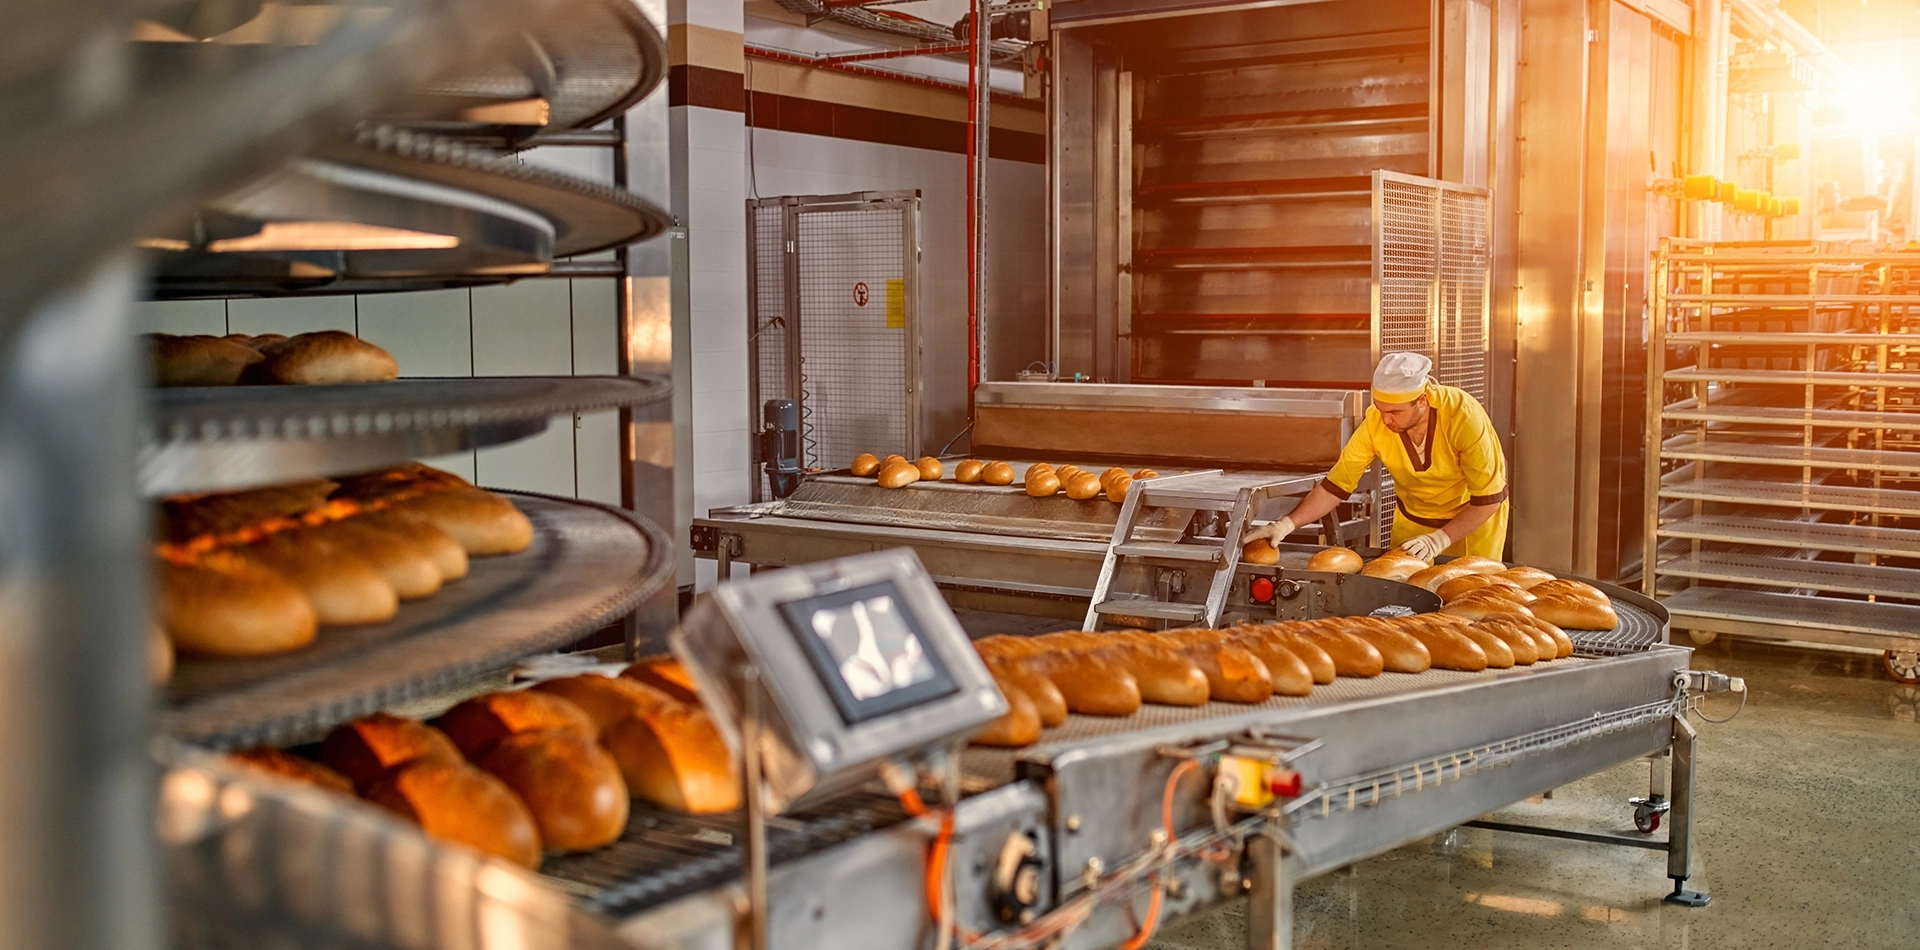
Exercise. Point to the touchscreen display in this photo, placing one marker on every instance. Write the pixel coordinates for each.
(869, 650)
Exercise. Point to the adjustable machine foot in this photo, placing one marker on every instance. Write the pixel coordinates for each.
(1687, 898)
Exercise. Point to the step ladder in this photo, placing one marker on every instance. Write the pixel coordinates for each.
(1211, 490)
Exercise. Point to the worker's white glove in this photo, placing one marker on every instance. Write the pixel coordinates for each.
(1272, 532)
(1428, 546)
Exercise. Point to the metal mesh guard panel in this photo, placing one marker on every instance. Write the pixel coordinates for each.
(767, 289)
(853, 349)
(1433, 247)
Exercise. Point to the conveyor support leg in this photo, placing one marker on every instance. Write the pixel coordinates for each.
(1680, 817)
(1270, 902)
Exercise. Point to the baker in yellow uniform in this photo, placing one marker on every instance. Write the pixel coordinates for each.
(1449, 474)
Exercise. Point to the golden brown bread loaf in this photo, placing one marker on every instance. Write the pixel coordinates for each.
(455, 802)
(186, 517)
(1500, 654)
(322, 358)
(1260, 552)
(1336, 560)
(397, 481)
(291, 767)
(891, 459)
(1047, 700)
(665, 674)
(968, 471)
(1432, 577)
(929, 467)
(1480, 604)
(568, 782)
(1478, 564)
(1563, 644)
(1145, 473)
(674, 757)
(1234, 673)
(476, 724)
(1393, 567)
(199, 360)
(1018, 726)
(1544, 646)
(605, 699)
(367, 749)
(1288, 673)
(1351, 656)
(1575, 612)
(897, 475)
(1090, 684)
(1525, 577)
(1066, 472)
(1570, 588)
(1453, 587)
(407, 565)
(343, 588)
(1318, 664)
(864, 465)
(448, 555)
(1042, 484)
(1450, 649)
(484, 523)
(222, 605)
(1107, 477)
(1118, 487)
(1163, 676)
(1400, 652)
(1083, 486)
(1521, 642)
(996, 473)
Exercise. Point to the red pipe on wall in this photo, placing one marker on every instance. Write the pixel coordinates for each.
(978, 26)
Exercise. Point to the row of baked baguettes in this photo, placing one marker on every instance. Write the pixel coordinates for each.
(520, 773)
(258, 572)
(1111, 674)
(323, 357)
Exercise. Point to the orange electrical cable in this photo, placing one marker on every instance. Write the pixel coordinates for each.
(1153, 919)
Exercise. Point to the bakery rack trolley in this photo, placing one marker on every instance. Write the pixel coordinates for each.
(1782, 413)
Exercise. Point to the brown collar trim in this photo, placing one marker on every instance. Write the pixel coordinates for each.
(1423, 460)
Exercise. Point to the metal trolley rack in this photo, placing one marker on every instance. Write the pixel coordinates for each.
(1784, 401)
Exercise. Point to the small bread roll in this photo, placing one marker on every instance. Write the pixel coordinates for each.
(891, 459)
(1042, 484)
(1041, 467)
(1336, 560)
(1067, 472)
(455, 802)
(665, 674)
(221, 605)
(367, 749)
(568, 782)
(1107, 477)
(1499, 652)
(1046, 697)
(1570, 588)
(605, 699)
(1145, 473)
(1450, 649)
(291, 767)
(323, 358)
(484, 523)
(1454, 587)
(1400, 652)
(1478, 564)
(404, 563)
(864, 464)
(968, 472)
(674, 757)
(1574, 612)
(476, 724)
(1525, 577)
(1083, 486)
(1351, 656)
(1260, 552)
(930, 468)
(996, 473)
(199, 360)
(1117, 488)
(1018, 726)
(1525, 647)
(1432, 577)
(898, 475)
(447, 553)
(343, 588)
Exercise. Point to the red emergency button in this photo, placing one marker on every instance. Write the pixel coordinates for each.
(1260, 590)
(1283, 782)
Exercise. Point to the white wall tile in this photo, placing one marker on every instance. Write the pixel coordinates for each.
(593, 164)
(596, 454)
(718, 450)
(182, 317)
(719, 490)
(429, 333)
(543, 463)
(290, 315)
(523, 329)
(595, 328)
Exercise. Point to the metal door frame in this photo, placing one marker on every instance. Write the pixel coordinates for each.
(792, 207)
(1439, 190)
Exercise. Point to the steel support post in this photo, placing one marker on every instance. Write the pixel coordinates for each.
(1680, 818)
(1270, 901)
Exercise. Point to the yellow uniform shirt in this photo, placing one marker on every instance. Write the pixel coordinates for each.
(1463, 466)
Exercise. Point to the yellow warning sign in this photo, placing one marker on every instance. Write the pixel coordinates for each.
(896, 304)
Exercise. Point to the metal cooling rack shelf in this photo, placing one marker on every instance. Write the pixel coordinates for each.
(588, 565)
(1859, 539)
(1798, 418)
(1792, 377)
(1791, 617)
(232, 437)
(1795, 573)
(1724, 448)
(1748, 491)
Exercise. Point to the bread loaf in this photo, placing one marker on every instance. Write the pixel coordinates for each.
(397, 481)
(291, 767)
(449, 557)
(674, 757)
(996, 473)
(406, 565)
(665, 674)
(1545, 646)
(1569, 588)
(1479, 606)
(1400, 652)
(1083, 486)
(343, 588)
(484, 523)
(1090, 684)
(568, 782)
(187, 517)
(605, 699)
(1107, 477)
(1478, 564)
(1042, 484)
(1432, 577)
(325, 357)
(1393, 568)
(1260, 552)
(1164, 677)
(1574, 612)
(1145, 473)
(864, 465)
(454, 802)
(930, 468)
(478, 723)
(1234, 673)
(1453, 587)
(897, 475)
(1318, 664)
(1351, 656)
(1335, 560)
(968, 472)
(1018, 726)
(367, 749)
(1118, 487)
(1046, 697)
(1067, 472)
(1502, 589)
(1525, 577)
(221, 605)
(1563, 644)
(1291, 676)
(892, 459)
(1525, 649)
(1450, 649)
(1499, 653)
(199, 360)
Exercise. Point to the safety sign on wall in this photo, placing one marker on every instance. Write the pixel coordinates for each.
(896, 302)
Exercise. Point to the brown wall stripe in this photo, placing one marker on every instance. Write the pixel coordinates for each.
(704, 86)
(793, 114)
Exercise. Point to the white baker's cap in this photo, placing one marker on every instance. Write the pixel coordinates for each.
(1401, 377)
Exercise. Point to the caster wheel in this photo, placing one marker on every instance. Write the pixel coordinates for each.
(1903, 704)
(1647, 822)
(1902, 665)
(1702, 637)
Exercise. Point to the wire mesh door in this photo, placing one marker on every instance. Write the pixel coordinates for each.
(1431, 270)
(831, 295)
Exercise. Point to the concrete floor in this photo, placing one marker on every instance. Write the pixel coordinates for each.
(1808, 835)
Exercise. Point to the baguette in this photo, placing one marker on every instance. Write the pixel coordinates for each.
(222, 605)
(322, 358)
(477, 724)
(1579, 613)
(1260, 552)
(1479, 606)
(184, 518)
(407, 565)
(605, 699)
(1046, 697)
(367, 749)
(1478, 564)
(1520, 641)
(484, 523)
(1400, 652)
(570, 785)
(1335, 560)
(996, 473)
(674, 757)
(399, 480)
(1289, 673)
(1018, 726)
(199, 360)
(447, 553)
(1090, 685)
(1351, 655)
(1318, 664)
(1571, 588)
(1525, 577)
(1563, 644)
(1546, 647)
(864, 465)
(1432, 577)
(1452, 588)
(1234, 673)
(291, 767)
(1450, 649)
(343, 588)
(453, 801)
(665, 674)
(1498, 652)
(897, 475)
(1164, 677)
(968, 472)
(1393, 568)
